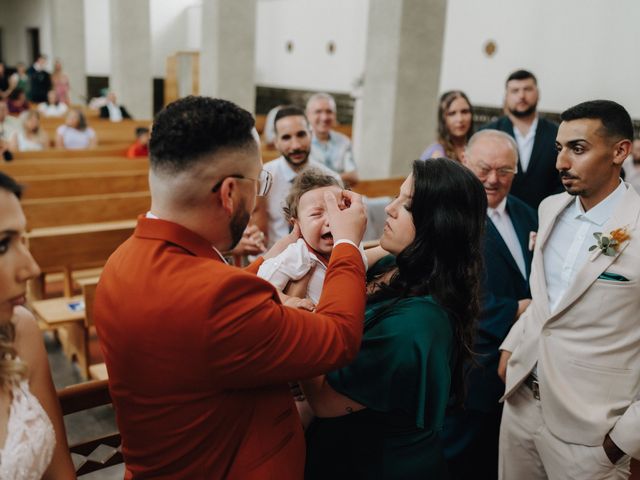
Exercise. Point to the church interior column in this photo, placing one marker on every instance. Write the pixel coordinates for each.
(401, 84)
(131, 77)
(227, 58)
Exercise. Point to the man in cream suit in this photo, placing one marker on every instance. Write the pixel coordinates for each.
(573, 359)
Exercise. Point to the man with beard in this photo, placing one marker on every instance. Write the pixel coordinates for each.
(537, 177)
(572, 360)
(293, 141)
(199, 352)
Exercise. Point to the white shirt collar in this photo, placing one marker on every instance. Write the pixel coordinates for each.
(603, 210)
(531, 133)
(499, 209)
(289, 173)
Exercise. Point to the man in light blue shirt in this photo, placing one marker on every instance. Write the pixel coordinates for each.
(328, 147)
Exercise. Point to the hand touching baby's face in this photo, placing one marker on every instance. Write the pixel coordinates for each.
(313, 219)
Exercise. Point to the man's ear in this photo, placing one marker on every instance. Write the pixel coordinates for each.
(621, 150)
(227, 192)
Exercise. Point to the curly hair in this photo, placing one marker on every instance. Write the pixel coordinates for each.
(444, 136)
(11, 368)
(305, 182)
(192, 127)
(449, 208)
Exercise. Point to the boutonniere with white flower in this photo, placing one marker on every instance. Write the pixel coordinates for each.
(610, 243)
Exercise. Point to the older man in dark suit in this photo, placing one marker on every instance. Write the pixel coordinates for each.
(471, 434)
(537, 177)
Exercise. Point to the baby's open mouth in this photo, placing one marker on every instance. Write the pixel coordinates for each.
(327, 236)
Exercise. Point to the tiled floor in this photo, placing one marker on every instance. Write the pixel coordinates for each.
(82, 425)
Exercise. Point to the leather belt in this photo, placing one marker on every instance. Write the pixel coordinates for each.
(534, 386)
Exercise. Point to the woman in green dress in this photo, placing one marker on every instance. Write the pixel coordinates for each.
(380, 417)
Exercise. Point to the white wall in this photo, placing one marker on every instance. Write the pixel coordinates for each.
(579, 49)
(97, 34)
(175, 26)
(15, 17)
(310, 25)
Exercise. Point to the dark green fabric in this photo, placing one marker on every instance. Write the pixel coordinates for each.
(402, 375)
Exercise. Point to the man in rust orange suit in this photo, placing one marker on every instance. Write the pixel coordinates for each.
(199, 352)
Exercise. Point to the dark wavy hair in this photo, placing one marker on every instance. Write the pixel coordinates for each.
(444, 136)
(192, 127)
(449, 209)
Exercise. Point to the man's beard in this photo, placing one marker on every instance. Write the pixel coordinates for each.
(573, 191)
(293, 162)
(239, 222)
(524, 113)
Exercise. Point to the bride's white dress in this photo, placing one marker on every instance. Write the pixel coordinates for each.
(30, 438)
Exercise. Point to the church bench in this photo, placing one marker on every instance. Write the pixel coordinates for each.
(107, 132)
(74, 247)
(97, 453)
(62, 185)
(113, 150)
(385, 187)
(72, 317)
(52, 212)
(73, 165)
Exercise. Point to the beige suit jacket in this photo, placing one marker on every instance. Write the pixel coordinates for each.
(588, 350)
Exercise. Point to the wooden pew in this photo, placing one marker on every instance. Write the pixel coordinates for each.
(85, 396)
(73, 165)
(113, 150)
(51, 212)
(73, 247)
(61, 185)
(73, 318)
(107, 132)
(386, 187)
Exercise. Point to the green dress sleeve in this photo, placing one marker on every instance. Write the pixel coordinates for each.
(404, 362)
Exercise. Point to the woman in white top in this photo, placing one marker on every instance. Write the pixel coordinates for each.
(31, 137)
(75, 133)
(33, 443)
(52, 107)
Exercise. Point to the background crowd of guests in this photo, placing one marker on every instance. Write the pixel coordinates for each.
(403, 355)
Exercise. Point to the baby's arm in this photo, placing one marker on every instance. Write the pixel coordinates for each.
(292, 264)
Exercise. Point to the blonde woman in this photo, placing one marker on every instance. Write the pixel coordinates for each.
(31, 138)
(33, 444)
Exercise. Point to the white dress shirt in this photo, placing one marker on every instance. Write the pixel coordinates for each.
(283, 176)
(525, 144)
(501, 220)
(115, 114)
(567, 248)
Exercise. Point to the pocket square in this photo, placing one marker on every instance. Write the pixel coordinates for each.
(612, 276)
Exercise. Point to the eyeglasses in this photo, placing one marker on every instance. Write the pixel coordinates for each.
(264, 181)
(483, 171)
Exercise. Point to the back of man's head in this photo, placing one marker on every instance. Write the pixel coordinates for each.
(615, 119)
(289, 111)
(194, 127)
(521, 75)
